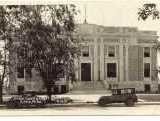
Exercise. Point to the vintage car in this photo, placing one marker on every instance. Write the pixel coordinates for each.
(61, 100)
(126, 96)
(29, 99)
(26, 100)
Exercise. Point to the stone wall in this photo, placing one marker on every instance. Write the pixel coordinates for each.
(133, 63)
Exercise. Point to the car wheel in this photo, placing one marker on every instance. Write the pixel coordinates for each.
(129, 102)
(101, 102)
(10, 104)
(16, 104)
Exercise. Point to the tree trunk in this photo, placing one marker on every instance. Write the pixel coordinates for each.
(1, 92)
(49, 93)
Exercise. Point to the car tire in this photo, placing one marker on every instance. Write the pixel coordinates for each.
(129, 102)
(16, 104)
(101, 102)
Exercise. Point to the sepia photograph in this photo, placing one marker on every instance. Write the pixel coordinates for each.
(80, 58)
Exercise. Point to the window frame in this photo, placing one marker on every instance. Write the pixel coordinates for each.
(144, 52)
(83, 50)
(19, 74)
(144, 73)
(108, 51)
(28, 72)
(115, 73)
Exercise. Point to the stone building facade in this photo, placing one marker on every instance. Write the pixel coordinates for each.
(118, 57)
(111, 57)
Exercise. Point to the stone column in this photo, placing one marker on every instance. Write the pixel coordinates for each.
(121, 63)
(95, 76)
(102, 60)
(126, 64)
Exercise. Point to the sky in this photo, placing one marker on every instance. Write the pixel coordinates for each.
(117, 13)
(105, 12)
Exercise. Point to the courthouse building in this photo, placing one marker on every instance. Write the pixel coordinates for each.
(111, 57)
(118, 57)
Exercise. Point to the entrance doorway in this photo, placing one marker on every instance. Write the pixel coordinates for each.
(147, 88)
(86, 71)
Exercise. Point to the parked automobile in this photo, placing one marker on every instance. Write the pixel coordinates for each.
(61, 100)
(26, 100)
(126, 96)
(29, 99)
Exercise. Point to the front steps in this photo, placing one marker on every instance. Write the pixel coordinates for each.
(89, 85)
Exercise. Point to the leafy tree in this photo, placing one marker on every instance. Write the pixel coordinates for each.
(46, 39)
(5, 46)
(148, 10)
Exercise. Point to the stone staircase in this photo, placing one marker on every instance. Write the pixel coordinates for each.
(89, 85)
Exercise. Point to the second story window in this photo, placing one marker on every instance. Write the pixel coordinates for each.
(146, 52)
(111, 51)
(20, 72)
(85, 51)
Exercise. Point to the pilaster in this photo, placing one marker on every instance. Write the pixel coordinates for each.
(101, 60)
(95, 76)
(126, 58)
(121, 63)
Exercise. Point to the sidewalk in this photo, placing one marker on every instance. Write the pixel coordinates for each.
(84, 104)
(91, 99)
(88, 92)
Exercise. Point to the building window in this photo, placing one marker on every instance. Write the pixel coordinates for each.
(111, 51)
(111, 70)
(20, 89)
(85, 51)
(146, 52)
(147, 87)
(29, 72)
(147, 70)
(20, 72)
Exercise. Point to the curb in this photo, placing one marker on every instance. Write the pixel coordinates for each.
(2, 105)
(89, 104)
(72, 105)
(95, 104)
(148, 103)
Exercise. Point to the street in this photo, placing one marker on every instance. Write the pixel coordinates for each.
(88, 109)
(149, 105)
